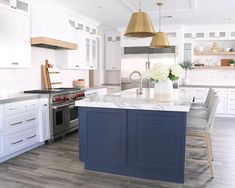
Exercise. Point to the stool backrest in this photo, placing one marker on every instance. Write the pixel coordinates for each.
(212, 110)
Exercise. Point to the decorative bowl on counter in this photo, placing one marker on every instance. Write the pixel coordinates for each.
(199, 49)
(227, 49)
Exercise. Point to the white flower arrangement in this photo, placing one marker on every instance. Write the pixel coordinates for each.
(161, 72)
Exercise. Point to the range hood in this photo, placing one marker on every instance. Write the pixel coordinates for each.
(148, 50)
(51, 43)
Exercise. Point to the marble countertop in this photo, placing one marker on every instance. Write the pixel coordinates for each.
(14, 97)
(129, 99)
(208, 86)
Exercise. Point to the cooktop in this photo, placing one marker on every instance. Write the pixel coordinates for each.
(52, 91)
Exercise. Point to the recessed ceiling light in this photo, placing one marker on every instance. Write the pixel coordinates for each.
(100, 7)
(228, 19)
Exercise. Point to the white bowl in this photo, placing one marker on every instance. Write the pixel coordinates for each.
(227, 49)
(199, 49)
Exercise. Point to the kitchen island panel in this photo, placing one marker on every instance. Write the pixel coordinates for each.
(103, 137)
(137, 143)
(156, 142)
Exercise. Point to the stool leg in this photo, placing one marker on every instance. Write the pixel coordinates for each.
(211, 149)
(209, 155)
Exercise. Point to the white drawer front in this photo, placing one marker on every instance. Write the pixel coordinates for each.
(231, 99)
(20, 122)
(231, 91)
(221, 91)
(2, 144)
(22, 106)
(12, 108)
(21, 140)
(231, 109)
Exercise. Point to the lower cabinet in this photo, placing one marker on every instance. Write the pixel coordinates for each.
(146, 144)
(2, 144)
(21, 140)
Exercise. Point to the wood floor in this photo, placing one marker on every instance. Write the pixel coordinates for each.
(57, 166)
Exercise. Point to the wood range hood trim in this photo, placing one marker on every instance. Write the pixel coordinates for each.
(51, 43)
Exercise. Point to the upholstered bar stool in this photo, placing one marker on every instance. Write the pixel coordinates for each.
(199, 129)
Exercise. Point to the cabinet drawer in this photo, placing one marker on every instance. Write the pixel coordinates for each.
(231, 91)
(16, 123)
(231, 99)
(22, 106)
(231, 109)
(221, 91)
(2, 144)
(21, 140)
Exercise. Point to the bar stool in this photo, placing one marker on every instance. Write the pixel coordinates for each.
(199, 128)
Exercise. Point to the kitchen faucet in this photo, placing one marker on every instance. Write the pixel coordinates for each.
(140, 89)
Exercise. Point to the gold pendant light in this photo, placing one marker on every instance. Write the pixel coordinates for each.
(160, 40)
(140, 25)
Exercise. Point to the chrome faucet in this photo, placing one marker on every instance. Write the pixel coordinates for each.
(140, 89)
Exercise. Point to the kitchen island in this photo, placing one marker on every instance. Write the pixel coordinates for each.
(133, 135)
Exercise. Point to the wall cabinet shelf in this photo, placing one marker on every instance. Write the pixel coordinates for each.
(215, 67)
(214, 53)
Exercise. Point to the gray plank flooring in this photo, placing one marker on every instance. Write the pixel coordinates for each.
(57, 166)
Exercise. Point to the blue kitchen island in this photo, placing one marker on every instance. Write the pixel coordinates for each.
(132, 135)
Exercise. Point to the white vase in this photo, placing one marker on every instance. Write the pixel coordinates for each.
(163, 91)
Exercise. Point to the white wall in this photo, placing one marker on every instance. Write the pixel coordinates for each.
(18, 80)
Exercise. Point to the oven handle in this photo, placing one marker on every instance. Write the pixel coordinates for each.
(60, 106)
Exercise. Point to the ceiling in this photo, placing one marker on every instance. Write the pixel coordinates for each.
(116, 13)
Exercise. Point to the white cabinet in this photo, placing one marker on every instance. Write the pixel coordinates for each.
(113, 89)
(44, 120)
(200, 35)
(222, 106)
(112, 52)
(2, 144)
(19, 5)
(2, 126)
(217, 35)
(22, 123)
(231, 101)
(15, 39)
(96, 92)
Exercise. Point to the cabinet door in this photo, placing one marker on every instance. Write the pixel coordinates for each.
(103, 138)
(2, 144)
(44, 121)
(110, 50)
(222, 106)
(2, 125)
(15, 40)
(217, 35)
(93, 64)
(156, 143)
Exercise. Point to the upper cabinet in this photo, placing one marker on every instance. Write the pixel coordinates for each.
(112, 51)
(50, 22)
(15, 39)
(194, 35)
(217, 35)
(85, 57)
(19, 5)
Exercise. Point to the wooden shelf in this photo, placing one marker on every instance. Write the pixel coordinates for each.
(216, 67)
(214, 53)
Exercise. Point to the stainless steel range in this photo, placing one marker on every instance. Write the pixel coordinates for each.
(63, 112)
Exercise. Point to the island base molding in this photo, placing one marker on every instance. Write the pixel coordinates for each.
(136, 143)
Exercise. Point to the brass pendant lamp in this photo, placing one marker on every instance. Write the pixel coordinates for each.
(140, 25)
(160, 40)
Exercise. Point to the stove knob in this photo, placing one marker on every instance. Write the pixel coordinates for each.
(58, 99)
(54, 100)
(74, 97)
(66, 98)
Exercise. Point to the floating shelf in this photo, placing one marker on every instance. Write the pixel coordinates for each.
(214, 53)
(216, 67)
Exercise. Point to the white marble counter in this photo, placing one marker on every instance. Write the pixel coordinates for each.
(14, 97)
(128, 99)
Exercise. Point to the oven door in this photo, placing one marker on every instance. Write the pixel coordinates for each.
(60, 119)
(73, 116)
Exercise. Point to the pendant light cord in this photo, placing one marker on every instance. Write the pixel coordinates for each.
(159, 4)
(140, 5)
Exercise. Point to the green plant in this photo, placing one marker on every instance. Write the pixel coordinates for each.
(232, 62)
(187, 65)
